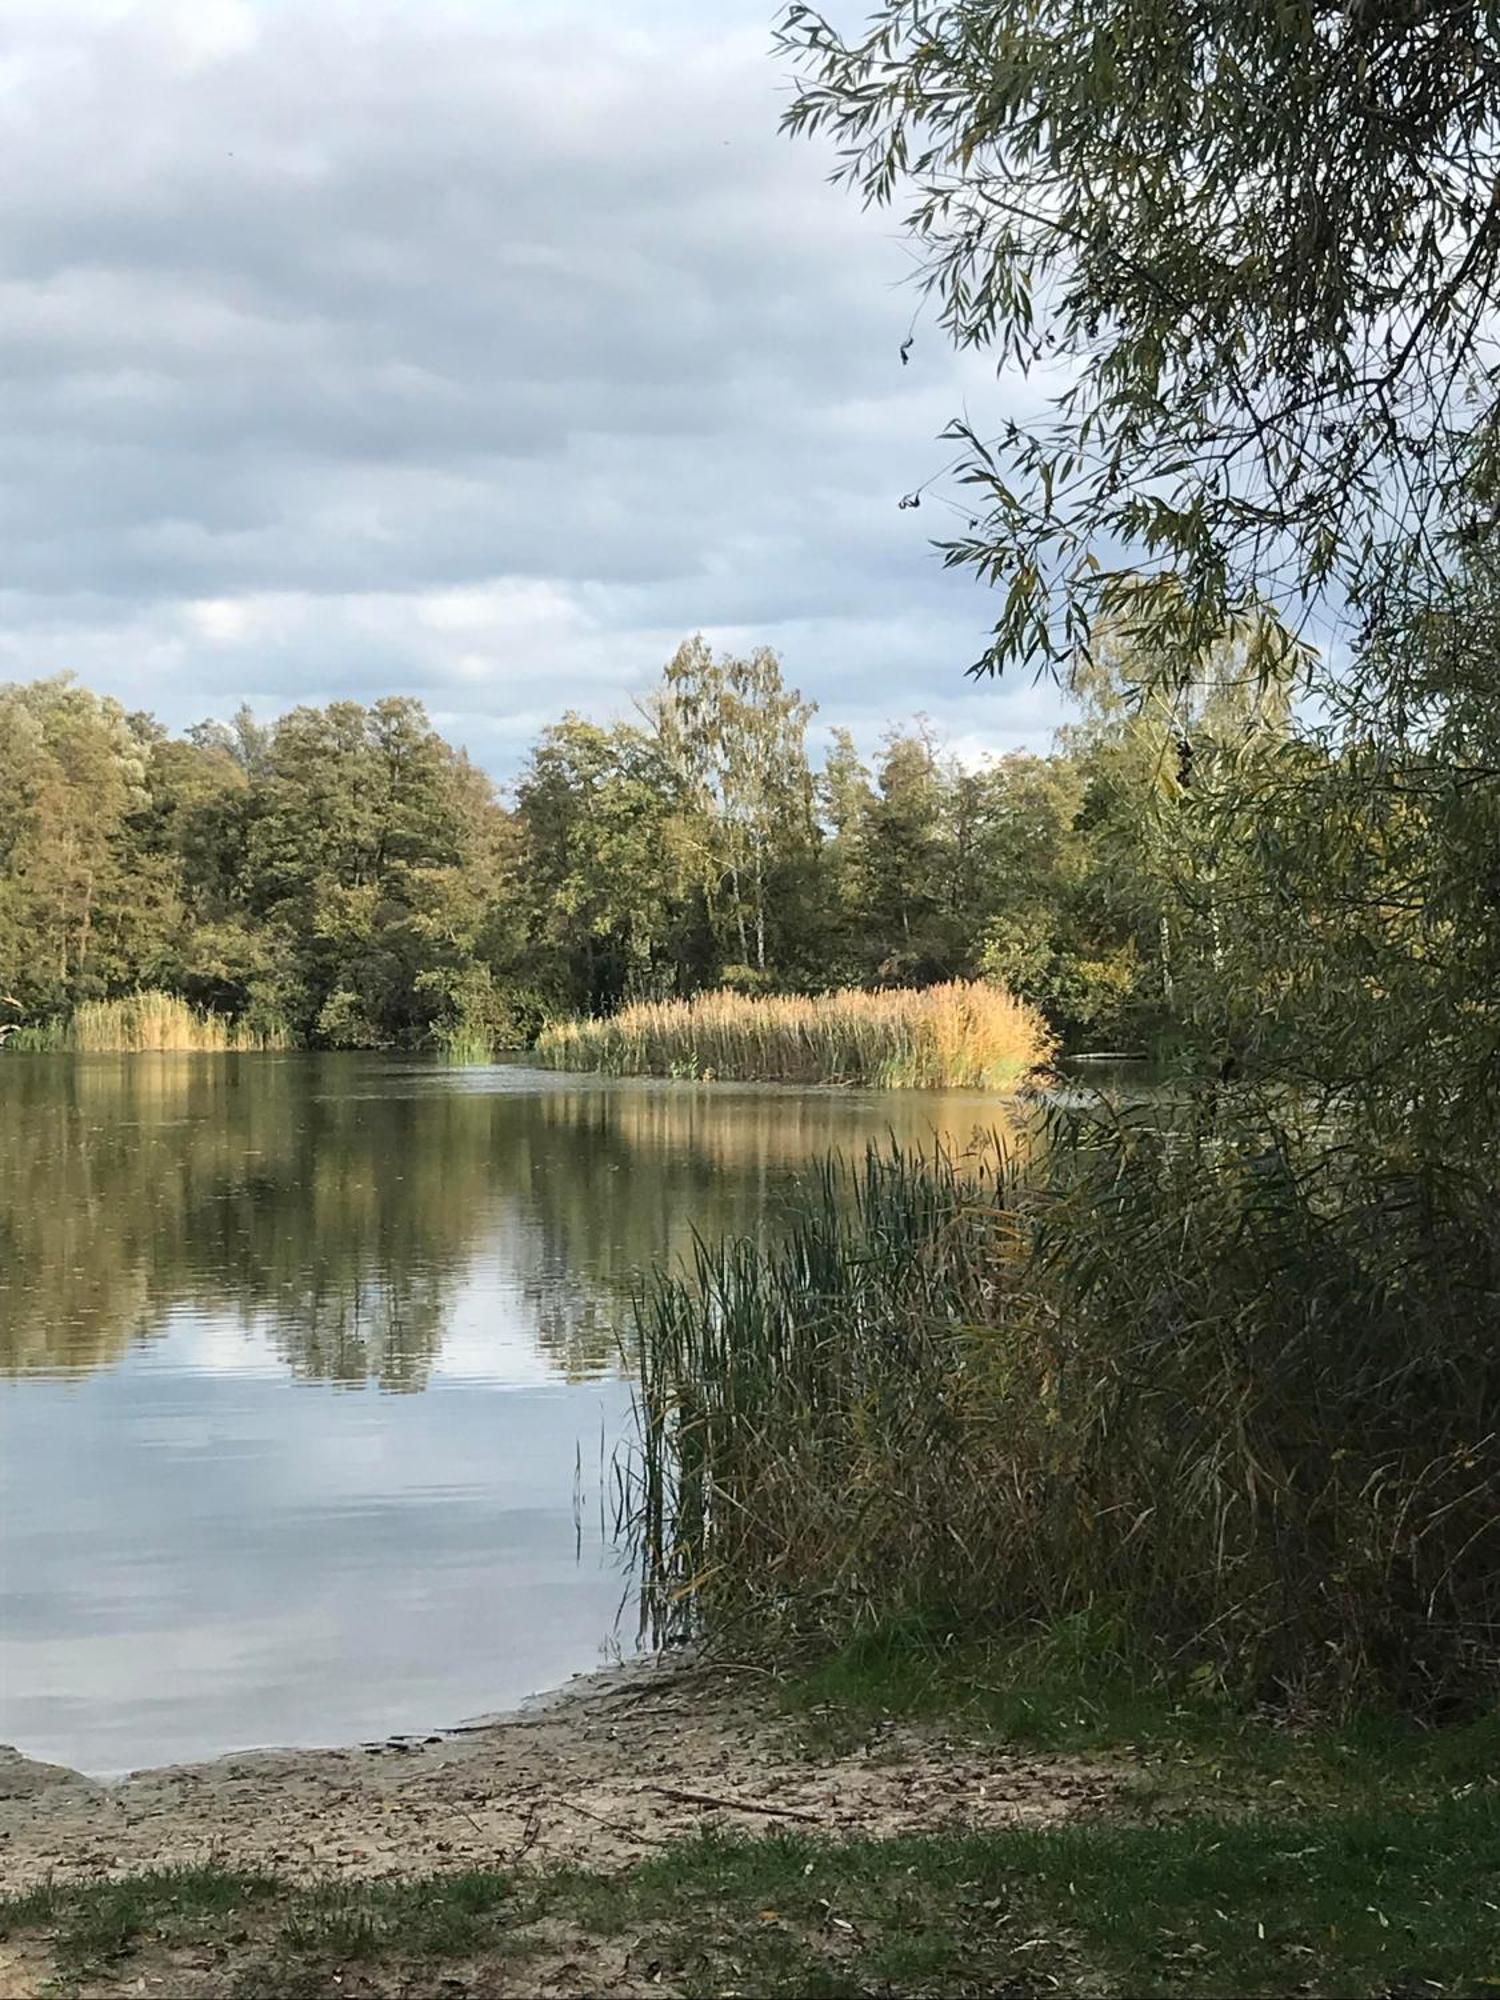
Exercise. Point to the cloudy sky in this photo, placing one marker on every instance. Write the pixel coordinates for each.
(466, 348)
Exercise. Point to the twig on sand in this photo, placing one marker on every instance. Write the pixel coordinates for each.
(530, 1833)
(612, 1826)
(735, 1805)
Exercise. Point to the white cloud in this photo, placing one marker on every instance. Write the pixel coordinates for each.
(223, 621)
(200, 32)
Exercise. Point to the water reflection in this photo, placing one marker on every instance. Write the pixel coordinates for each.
(343, 1208)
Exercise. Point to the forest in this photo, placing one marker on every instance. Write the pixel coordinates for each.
(342, 877)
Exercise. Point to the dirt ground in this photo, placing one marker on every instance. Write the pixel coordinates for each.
(601, 1774)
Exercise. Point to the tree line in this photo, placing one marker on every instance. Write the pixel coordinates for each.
(344, 875)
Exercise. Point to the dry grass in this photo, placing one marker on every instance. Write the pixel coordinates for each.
(965, 1035)
(159, 1023)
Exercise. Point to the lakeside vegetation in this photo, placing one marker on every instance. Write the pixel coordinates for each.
(1201, 1413)
(1206, 1402)
(1124, 1402)
(1213, 1383)
(961, 1035)
(149, 1023)
(1235, 1857)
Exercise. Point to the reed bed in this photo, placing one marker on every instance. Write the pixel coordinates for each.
(805, 1410)
(159, 1023)
(1166, 1397)
(467, 1047)
(963, 1035)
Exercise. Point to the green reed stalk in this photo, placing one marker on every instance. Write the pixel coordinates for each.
(467, 1046)
(1173, 1388)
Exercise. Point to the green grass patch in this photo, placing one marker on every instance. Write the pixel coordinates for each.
(97, 1925)
(274, 1937)
(1074, 1690)
(1390, 1899)
(1070, 1687)
(1367, 1903)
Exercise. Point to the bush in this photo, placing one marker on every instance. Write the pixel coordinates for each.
(344, 1022)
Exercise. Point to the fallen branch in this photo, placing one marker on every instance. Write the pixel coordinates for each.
(735, 1805)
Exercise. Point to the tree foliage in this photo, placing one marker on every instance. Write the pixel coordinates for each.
(342, 875)
(1247, 253)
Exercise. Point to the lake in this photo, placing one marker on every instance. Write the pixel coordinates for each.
(309, 1378)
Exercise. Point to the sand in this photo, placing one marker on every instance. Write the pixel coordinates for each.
(600, 1774)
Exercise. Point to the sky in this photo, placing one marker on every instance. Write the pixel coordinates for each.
(466, 349)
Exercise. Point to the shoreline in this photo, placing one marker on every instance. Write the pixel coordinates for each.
(607, 1769)
(686, 1828)
(22, 1774)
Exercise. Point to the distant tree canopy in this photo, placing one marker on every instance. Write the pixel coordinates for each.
(331, 873)
(1247, 252)
(344, 875)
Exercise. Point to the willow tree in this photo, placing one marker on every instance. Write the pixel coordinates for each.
(1247, 250)
(1245, 254)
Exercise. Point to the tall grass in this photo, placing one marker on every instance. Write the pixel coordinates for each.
(962, 1035)
(806, 1410)
(152, 1022)
(1174, 1396)
(467, 1046)
(44, 1038)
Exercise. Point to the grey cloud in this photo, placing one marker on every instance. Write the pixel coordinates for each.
(340, 308)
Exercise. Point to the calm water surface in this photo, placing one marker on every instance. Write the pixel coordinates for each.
(308, 1378)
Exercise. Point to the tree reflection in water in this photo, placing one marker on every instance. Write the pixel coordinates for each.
(340, 1206)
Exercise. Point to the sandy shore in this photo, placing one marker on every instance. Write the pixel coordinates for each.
(602, 1773)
